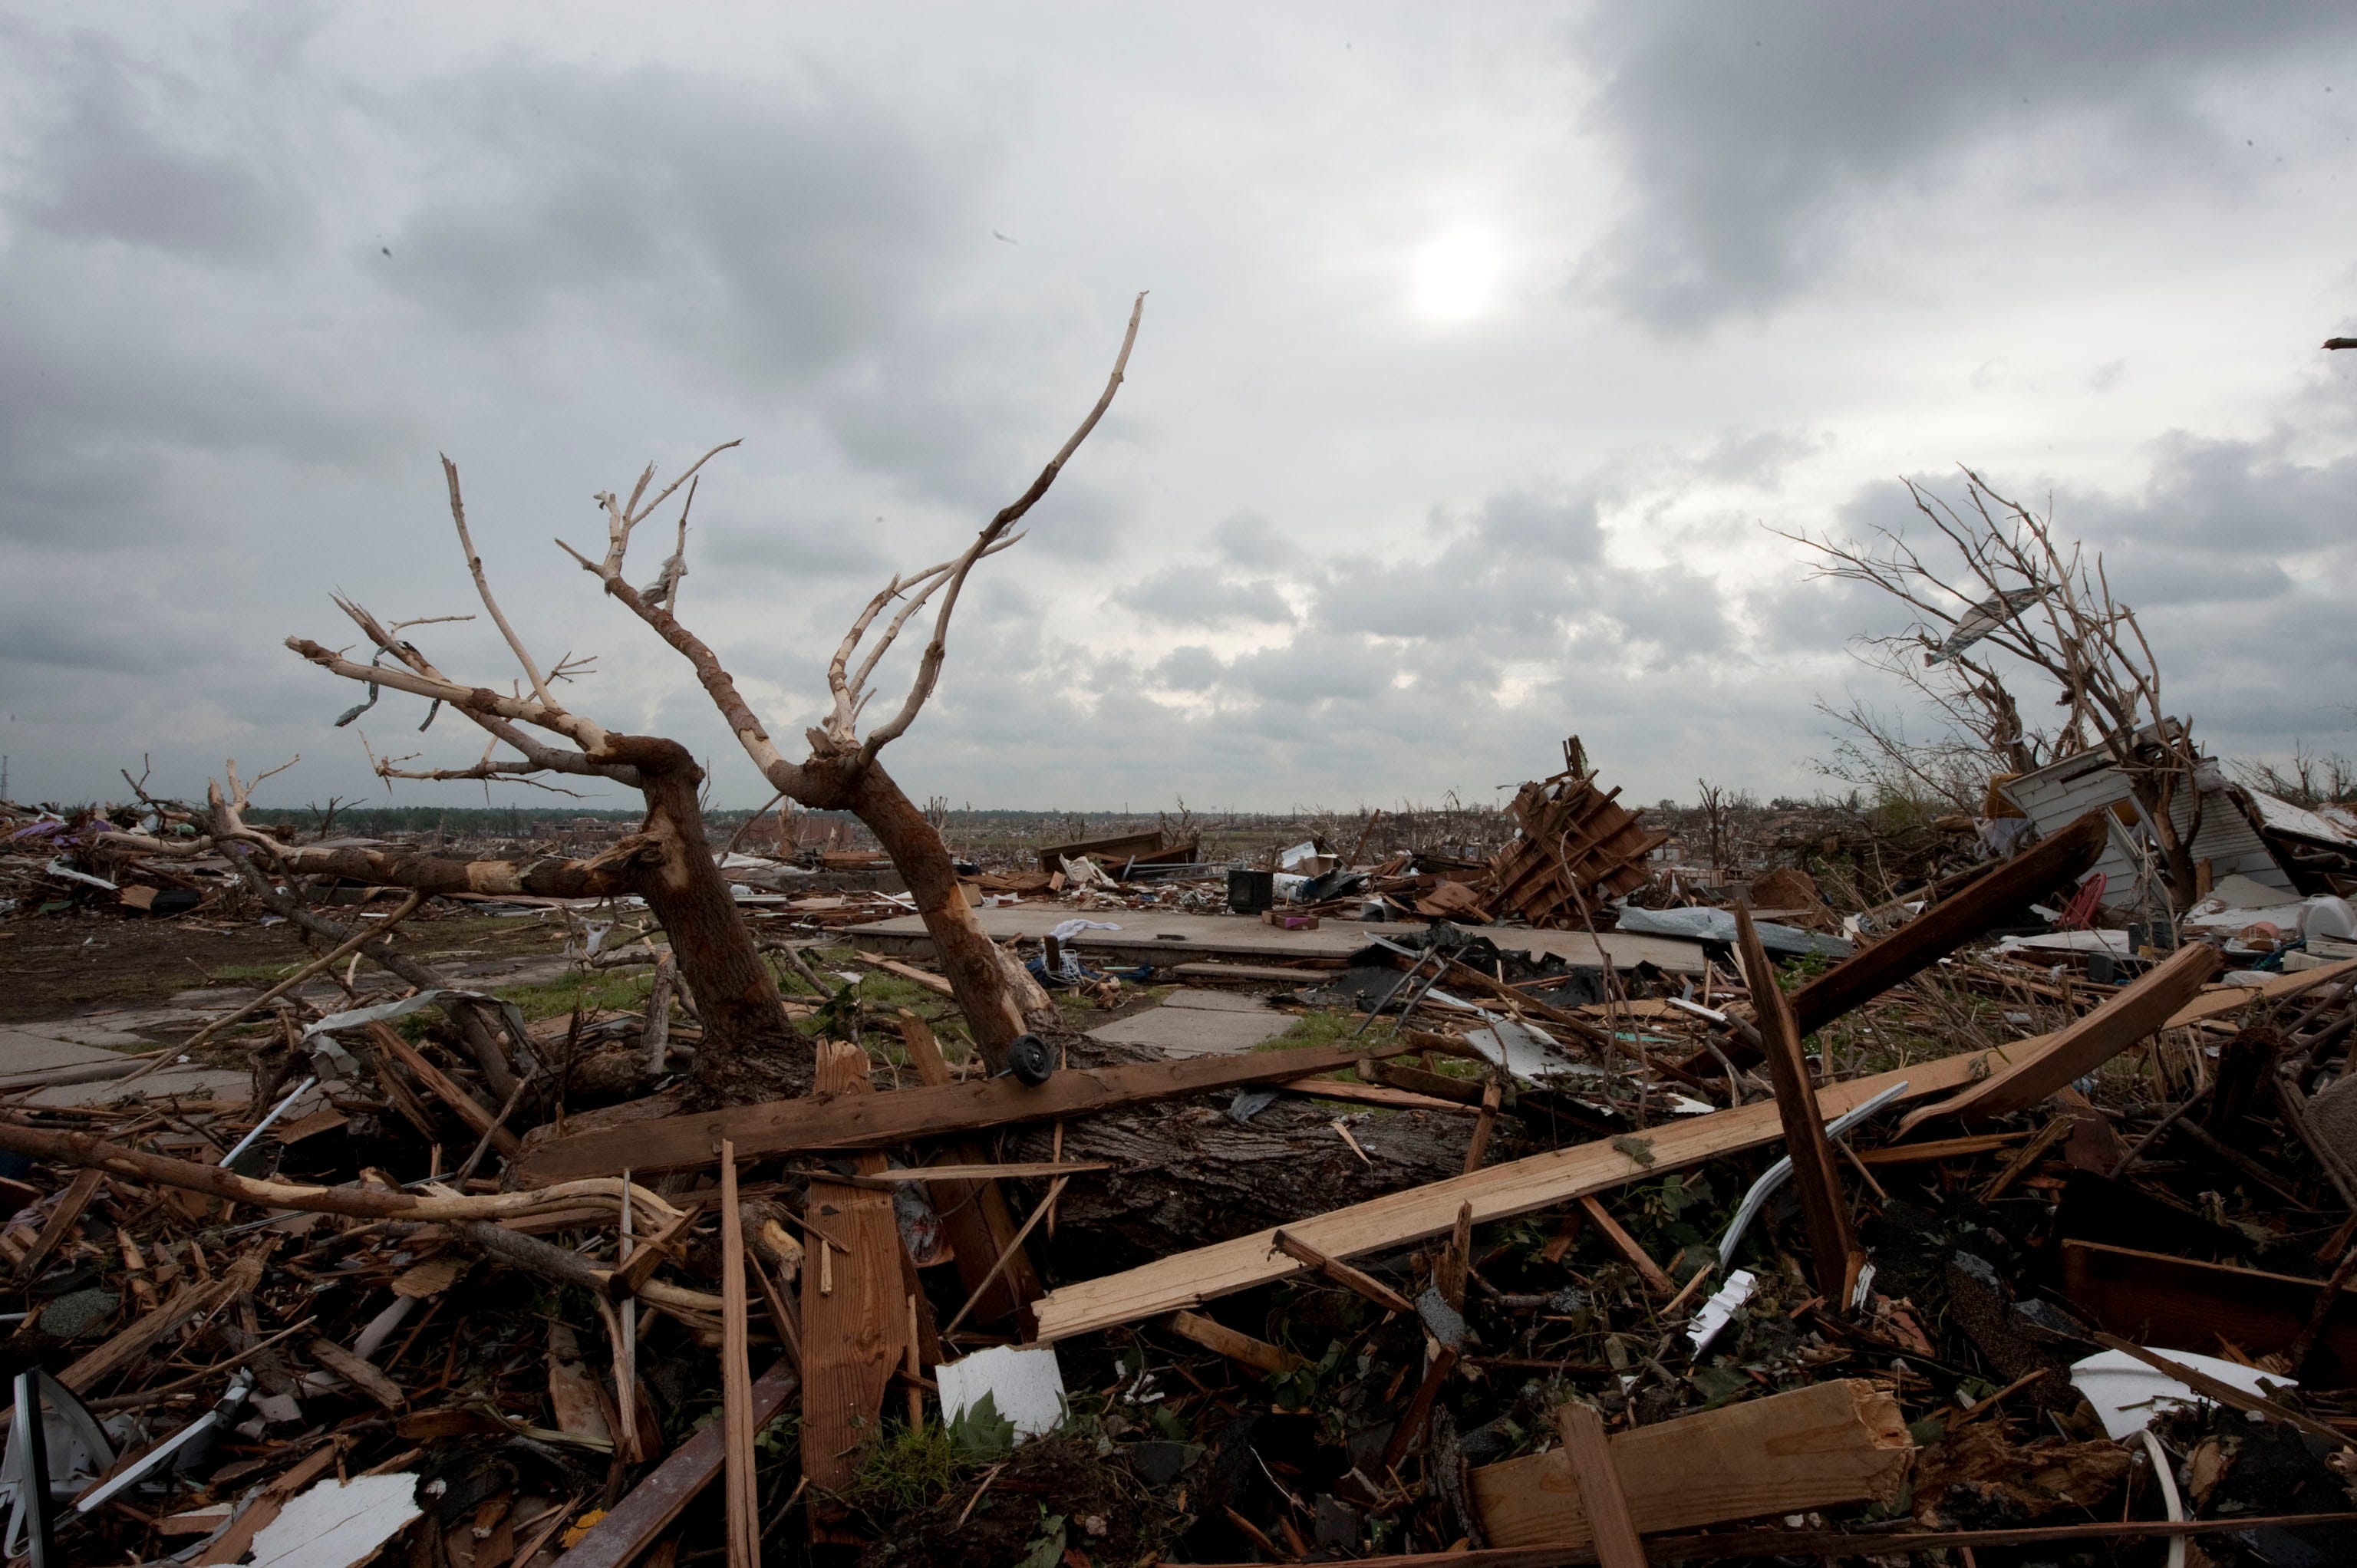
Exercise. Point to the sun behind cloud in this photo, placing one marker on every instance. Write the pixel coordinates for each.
(1456, 275)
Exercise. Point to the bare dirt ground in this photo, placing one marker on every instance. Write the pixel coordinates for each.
(61, 966)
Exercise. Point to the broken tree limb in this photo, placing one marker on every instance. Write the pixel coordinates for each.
(1834, 1254)
(324, 961)
(876, 1121)
(1835, 1442)
(2036, 1069)
(654, 1503)
(365, 1202)
(1496, 1192)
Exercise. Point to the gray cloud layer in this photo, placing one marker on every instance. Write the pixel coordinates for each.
(1354, 531)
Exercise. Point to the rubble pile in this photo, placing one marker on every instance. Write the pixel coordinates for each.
(1510, 1195)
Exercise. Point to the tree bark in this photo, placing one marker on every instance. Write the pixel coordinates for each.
(967, 956)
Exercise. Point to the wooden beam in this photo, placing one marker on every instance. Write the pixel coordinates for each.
(838, 1120)
(1658, 1283)
(1234, 1344)
(2036, 1069)
(1496, 1192)
(1837, 1442)
(1588, 1454)
(974, 1214)
(1948, 925)
(741, 1501)
(650, 1508)
(1834, 1254)
(854, 1309)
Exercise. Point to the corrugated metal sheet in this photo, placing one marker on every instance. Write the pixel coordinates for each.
(2280, 816)
(2059, 793)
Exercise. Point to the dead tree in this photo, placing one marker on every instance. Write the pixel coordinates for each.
(748, 1045)
(2014, 586)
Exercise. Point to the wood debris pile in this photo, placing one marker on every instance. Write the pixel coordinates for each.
(1511, 1270)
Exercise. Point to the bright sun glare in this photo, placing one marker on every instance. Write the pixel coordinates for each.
(1455, 275)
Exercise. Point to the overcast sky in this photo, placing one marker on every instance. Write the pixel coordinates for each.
(1485, 346)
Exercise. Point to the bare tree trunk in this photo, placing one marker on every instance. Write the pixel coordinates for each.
(966, 955)
(747, 1039)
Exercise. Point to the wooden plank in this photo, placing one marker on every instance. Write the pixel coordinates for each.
(1836, 1442)
(1834, 1254)
(1380, 1094)
(854, 1310)
(1950, 924)
(61, 1222)
(2176, 1303)
(740, 1503)
(652, 1506)
(1270, 972)
(1234, 1344)
(363, 1377)
(1496, 1192)
(1588, 1453)
(975, 1215)
(1937, 1149)
(862, 1120)
(2036, 1069)
(932, 983)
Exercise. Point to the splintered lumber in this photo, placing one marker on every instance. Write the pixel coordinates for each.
(1496, 1192)
(854, 1309)
(1948, 925)
(847, 1121)
(61, 1222)
(1833, 1255)
(130, 1343)
(975, 1215)
(1588, 1454)
(1578, 846)
(1841, 1441)
(2032, 1070)
(649, 1508)
(478, 1120)
(1234, 1344)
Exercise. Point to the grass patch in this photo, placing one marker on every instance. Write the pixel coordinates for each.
(558, 998)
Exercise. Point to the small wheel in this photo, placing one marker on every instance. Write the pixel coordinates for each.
(1030, 1060)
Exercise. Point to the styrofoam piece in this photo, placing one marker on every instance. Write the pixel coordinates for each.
(1025, 1383)
(1719, 1310)
(336, 1524)
(2127, 1393)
